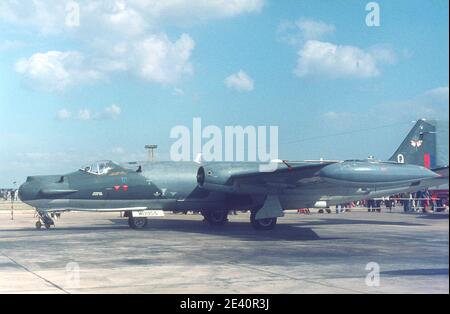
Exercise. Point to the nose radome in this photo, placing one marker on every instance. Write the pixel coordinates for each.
(35, 186)
(22, 192)
(27, 191)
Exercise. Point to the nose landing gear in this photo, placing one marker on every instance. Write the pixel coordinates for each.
(44, 219)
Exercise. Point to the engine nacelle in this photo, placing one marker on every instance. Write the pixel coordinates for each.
(219, 177)
(212, 175)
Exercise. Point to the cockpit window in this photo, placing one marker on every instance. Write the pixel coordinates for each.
(99, 167)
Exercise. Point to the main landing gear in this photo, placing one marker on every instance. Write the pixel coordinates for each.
(265, 217)
(137, 222)
(44, 219)
(262, 224)
(216, 217)
(220, 217)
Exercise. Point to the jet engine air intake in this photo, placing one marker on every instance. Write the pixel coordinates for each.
(201, 176)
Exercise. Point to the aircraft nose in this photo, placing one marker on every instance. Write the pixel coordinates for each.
(27, 191)
(23, 192)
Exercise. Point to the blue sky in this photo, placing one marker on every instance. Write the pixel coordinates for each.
(130, 71)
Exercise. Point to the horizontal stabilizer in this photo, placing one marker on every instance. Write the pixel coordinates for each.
(442, 171)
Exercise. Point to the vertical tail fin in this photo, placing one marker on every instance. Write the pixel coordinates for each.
(419, 146)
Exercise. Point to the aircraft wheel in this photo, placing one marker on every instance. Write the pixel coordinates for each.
(38, 225)
(216, 217)
(137, 222)
(262, 224)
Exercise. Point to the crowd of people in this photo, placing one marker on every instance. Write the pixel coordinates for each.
(410, 202)
(422, 201)
(9, 195)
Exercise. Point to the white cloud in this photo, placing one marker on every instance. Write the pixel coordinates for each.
(125, 17)
(117, 36)
(312, 29)
(178, 92)
(196, 10)
(135, 17)
(155, 58)
(45, 16)
(384, 54)
(63, 114)
(158, 59)
(112, 112)
(240, 81)
(318, 58)
(295, 33)
(84, 114)
(117, 16)
(431, 104)
(56, 70)
(438, 94)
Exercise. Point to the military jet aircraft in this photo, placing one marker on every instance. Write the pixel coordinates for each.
(145, 189)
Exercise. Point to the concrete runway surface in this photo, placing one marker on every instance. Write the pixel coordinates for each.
(318, 253)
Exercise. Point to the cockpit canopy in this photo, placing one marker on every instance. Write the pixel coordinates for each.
(99, 167)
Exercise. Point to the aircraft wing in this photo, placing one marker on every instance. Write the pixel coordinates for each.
(356, 175)
(260, 178)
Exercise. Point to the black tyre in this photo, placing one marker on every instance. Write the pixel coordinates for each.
(137, 222)
(38, 225)
(262, 224)
(216, 217)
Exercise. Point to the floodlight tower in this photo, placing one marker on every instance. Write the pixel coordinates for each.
(13, 196)
(151, 151)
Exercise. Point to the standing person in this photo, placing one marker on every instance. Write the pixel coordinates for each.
(405, 206)
(426, 202)
(389, 203)
(411, 203)
(378, 206)
(371, 205)
(406, 200)
(434, 202)
(418, 201)
(420, 196)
